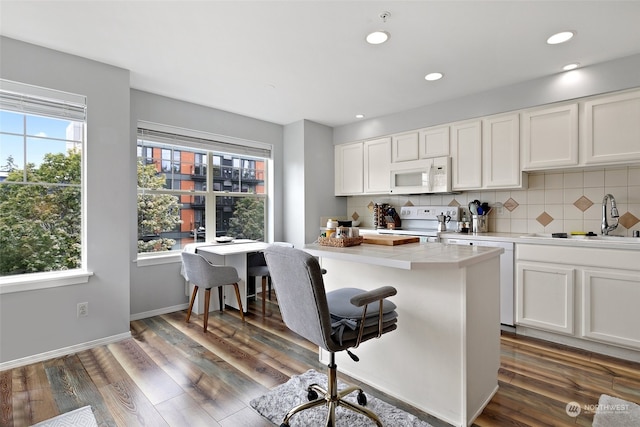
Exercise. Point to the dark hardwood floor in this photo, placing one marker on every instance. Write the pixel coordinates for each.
(171, 373)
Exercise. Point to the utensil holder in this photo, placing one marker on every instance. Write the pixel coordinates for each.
(479, 223)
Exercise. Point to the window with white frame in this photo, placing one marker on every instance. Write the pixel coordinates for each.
(42, 139)
(196, 188)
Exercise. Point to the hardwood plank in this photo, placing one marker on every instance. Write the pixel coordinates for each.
(6, 405)
(184, 411)
(32, 397)
(152, 380)
(73, 388)
(129, 406)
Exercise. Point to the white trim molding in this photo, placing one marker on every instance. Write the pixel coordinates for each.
(11, 364)
(158, 312)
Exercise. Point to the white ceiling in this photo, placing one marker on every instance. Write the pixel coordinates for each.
(283, 61)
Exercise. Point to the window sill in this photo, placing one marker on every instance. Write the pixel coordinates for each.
(35, 281)
(156, 259)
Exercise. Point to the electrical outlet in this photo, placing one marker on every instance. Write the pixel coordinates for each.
(499, 208)
(83, 309)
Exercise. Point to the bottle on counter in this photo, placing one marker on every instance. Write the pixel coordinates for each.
(332, 224)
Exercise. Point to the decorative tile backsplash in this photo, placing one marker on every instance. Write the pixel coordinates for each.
(554, 202)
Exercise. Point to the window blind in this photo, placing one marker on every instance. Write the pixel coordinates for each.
(28, 99)
(207, 142)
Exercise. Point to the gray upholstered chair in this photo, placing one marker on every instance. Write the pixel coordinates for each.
(335, 321)
(202, 274)
(257, 267)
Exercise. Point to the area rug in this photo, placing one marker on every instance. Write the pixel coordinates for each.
(612, 411)
(81, 417)
(275, 404)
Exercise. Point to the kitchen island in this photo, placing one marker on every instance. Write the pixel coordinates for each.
(444, 356)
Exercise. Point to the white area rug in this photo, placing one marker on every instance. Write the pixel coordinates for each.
(614, 412)
(275, 405)
(81, 417)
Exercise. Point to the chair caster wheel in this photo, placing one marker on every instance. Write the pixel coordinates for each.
(284, 425)
(311, 395)
(362, 399)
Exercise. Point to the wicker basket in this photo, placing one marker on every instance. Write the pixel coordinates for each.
(341, 242)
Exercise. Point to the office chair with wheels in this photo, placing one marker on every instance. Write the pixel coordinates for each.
(201, 273)
(335, 321)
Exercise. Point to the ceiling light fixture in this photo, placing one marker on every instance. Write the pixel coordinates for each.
(572, 66)
(359, 116)
(379, 37)
(561, 37)
(433, 76)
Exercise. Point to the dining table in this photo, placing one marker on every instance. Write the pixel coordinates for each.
(232, 253)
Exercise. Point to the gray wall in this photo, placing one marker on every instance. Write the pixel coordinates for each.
(609, 76)
(38, 321)
(308, 180)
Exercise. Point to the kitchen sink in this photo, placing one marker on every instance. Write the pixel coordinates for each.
(584, 238)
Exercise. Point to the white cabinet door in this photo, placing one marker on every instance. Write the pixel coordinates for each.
(466, 155)
(405, 147)
(434, 142)
(377, 165)
(349, 169)
(501, 151)
(550, 137)
(610, 307)
(544, 297)
(612, 129)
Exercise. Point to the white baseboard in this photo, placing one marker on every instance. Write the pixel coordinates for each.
(63, 351)
(158, 312)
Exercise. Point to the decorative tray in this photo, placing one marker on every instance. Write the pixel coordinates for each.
(340, 242)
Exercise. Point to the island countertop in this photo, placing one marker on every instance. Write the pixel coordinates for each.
(410, 256)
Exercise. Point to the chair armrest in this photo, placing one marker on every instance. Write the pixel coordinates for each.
(372, 296)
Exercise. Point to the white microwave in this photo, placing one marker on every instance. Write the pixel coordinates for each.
(421, 176)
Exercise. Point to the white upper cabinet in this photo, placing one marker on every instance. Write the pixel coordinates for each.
(612, 129)
(550, 137)
(349, 169)
(466, 155)
(501, 151)
(377, 165)
(434, 142)
(363, 167)
(404, 147)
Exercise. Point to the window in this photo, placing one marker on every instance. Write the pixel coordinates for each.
(195, 189)
(42, 137)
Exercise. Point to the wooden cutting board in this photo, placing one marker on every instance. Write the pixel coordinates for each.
(389, 240)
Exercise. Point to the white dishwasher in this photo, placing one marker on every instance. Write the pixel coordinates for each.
(506, 273)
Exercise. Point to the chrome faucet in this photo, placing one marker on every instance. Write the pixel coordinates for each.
(606, 228)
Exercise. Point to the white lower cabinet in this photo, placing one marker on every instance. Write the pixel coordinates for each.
(584, 293)
(610, 306)
(545, 297)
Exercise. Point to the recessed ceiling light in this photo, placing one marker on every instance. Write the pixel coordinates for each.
(378, 37)
(359, 116)
(561, 37)
(433, 76)
(571, 66)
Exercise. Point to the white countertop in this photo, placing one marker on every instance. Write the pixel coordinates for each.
(408, 256)
(608, 242)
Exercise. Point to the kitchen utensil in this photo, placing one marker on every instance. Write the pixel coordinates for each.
(479, 210)
(442, 221)
(473, 207)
